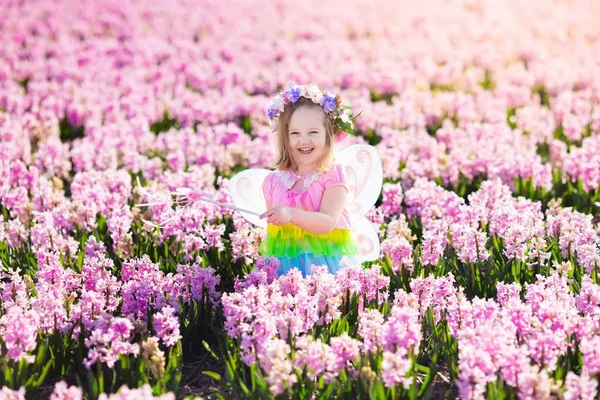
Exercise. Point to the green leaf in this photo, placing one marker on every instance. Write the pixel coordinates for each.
(217, 394)
(207, 347)
(39, 359)
(213, 375)
(244, 388)
(378, 391)
(329, 392)
(42, 377)
(8, 377)
(422, 368)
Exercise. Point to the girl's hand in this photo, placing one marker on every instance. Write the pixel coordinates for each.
(278, 215)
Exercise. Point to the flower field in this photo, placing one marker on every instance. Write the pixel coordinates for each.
(486, 115)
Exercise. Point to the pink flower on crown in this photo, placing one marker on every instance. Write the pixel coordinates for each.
(341, 135)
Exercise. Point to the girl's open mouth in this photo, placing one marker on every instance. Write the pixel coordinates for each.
(306, 150)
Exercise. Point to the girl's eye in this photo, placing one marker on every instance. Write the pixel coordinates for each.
(293, 133)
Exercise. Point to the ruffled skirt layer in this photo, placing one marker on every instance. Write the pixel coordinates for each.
(297, 248)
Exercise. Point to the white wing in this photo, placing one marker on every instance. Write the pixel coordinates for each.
(366, 237)
(364, 177)
(246, 192)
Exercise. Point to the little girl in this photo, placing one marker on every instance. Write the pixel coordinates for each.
(306, 194)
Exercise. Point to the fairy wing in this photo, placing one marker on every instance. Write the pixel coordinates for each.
(246, 192)
(366, 237)
(364, 177)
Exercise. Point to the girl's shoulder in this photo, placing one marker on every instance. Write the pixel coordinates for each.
(336, 169)
(333, 176)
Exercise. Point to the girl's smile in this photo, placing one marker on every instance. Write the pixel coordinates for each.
(306, 150)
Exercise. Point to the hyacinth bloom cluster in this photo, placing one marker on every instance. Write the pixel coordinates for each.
(520, 223)
(109, 312)
(518, 339)
(514, 339)
(270, 320)
(485, 116)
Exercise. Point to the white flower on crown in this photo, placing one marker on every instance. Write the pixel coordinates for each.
(278, 103)
(345, 117)
(314, 93)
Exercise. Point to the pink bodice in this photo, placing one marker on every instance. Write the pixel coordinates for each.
(278, 189)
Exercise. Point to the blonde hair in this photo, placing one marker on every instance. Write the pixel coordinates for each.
(285, 160)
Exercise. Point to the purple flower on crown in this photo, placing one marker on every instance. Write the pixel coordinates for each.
(272, 112)
(329, 103)
(294, 93)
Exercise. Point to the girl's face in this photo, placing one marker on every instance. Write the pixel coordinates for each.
(307, 137)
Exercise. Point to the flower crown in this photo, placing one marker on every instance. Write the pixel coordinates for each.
(332, 105)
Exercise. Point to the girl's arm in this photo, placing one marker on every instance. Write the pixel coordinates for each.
(267, 192)
(320, 222)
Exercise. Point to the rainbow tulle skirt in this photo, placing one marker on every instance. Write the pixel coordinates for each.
(297, 248)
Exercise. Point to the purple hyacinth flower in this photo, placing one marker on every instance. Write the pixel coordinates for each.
(272, 112)
(328, 103)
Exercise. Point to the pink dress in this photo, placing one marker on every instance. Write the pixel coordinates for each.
(294, 246)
